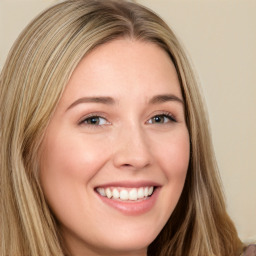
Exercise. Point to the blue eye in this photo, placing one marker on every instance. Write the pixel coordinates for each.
(161, 119)
(94, 120)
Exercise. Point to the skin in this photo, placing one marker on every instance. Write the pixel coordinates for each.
(132, 141)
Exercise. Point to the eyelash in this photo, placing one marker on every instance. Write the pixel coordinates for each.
(167, 115)
(90, 117)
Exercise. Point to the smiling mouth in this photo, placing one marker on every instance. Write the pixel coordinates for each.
(126, 194)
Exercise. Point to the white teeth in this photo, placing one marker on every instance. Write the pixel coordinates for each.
(108, 193)
(146, 191)
(101, 191)
(124, 195)
(115, 193)
(132, 194)
(150, 191)
(141, 192)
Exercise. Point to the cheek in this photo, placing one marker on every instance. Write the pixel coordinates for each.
(174, 155)
(67, 155)
(67, 162)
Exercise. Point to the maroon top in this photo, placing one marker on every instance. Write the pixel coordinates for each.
(250, 250)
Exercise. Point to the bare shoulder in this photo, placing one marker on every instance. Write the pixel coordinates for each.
(250, 250)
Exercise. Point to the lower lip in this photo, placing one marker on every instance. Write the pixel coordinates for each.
(132, 207)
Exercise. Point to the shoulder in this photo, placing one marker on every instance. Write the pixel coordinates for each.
(250, 250)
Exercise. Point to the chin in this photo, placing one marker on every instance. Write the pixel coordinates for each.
(130, 241)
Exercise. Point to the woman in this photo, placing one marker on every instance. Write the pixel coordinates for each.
(105, 148)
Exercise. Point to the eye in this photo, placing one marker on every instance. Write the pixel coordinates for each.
(94, 120)
(161, 119)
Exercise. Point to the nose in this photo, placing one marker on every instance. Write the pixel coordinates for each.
(132, 149)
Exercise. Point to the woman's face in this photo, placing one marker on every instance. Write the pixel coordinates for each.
(118, 133)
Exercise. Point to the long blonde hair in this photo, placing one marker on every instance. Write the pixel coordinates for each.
(31, 83)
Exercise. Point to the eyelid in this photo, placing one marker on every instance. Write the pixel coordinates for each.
(169, 115)
(166, 114)
(97, 115)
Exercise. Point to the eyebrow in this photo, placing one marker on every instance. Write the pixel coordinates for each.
(102, 100)
(110, 101)
(165, 98)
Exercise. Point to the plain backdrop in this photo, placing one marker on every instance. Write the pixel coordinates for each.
(220, 38)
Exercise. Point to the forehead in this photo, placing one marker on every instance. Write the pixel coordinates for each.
(126, 65)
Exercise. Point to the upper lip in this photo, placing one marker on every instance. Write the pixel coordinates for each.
(129, 184)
